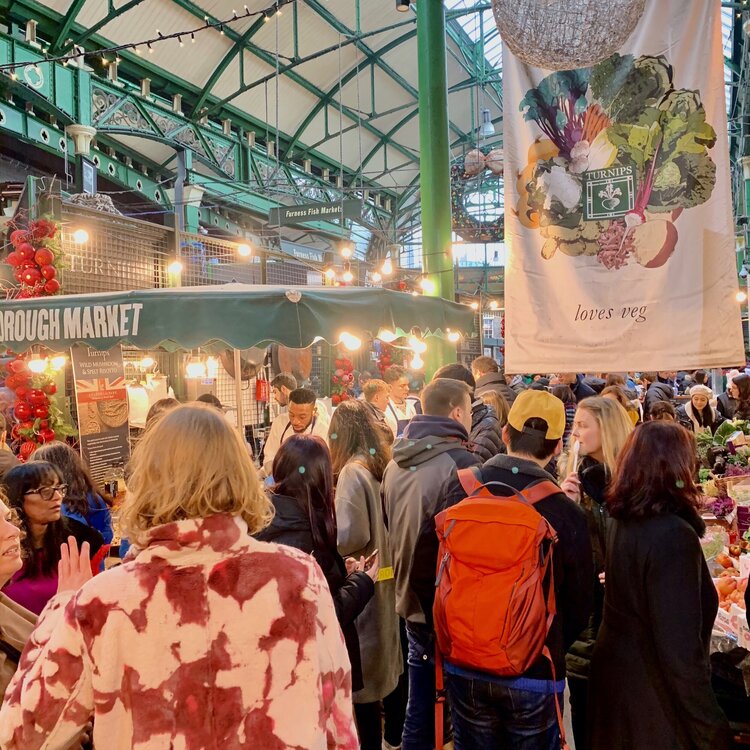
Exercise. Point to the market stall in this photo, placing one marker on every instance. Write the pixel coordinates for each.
(213, 320)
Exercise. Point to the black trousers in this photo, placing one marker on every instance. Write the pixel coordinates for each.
(376, 721)
(579, 689)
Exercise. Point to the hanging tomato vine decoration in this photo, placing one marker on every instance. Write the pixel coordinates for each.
(342, 380)
(38, 418)
(35, 258)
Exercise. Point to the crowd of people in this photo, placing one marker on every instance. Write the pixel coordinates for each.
(412, 569)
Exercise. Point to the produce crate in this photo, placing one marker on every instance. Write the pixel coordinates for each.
(724, 484)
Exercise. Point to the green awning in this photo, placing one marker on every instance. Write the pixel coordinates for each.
(235, 315)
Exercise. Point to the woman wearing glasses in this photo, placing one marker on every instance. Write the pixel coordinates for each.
(36, 492)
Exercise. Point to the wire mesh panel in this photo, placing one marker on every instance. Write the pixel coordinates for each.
(469, 349)
(287, 272)
(209, 260)
(118, 254)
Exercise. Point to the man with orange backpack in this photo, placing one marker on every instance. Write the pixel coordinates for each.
(514, 587)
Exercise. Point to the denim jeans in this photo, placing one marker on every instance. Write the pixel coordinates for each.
(419, 726)
(491, 715)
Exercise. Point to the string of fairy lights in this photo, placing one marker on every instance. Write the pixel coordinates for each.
(148, 44)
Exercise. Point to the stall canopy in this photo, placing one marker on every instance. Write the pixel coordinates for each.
(235, 315)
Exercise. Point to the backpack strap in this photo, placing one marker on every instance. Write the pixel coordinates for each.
(540, 490)
(440, 697)
(471, 480)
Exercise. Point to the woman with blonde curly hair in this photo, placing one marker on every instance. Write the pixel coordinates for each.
(204, 637)
(601, 429)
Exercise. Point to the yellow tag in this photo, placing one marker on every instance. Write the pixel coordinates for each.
(385, 574)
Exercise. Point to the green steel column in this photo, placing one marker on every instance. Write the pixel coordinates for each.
(434, 163)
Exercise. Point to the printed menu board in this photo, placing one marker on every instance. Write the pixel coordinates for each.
(102, 403)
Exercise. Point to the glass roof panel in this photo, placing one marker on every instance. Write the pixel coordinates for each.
(727, 24)
(480, 25)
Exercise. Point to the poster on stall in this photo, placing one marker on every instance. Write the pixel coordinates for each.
(619, 227)
(102, 403)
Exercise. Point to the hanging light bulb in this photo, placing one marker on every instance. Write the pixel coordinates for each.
(417, 345)
(427, 285)
(387, 336)
(58, 362)
(387, 268)
(329, 273)
(346, 250)
(474, 305)
(494, 304)
(80, 236)
(175, 267)
(740, 296)
(212, 368)
(417, 363)
(196, 368)
(376, 278)
(350, 341)
(244, 250)
(147, 363)
(347, 276)
(454, 337)
(487, 127)
(37, 364)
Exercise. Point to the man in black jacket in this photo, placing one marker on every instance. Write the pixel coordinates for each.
(488, 377)
(486, 435)
(490, 711)
(578, 385)
(656, 390)
(415, 482)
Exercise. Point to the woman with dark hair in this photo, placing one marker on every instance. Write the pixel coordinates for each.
(662, 411)
(736, 403)
(360, 455)
(650, 680)
(697, 414)
(36, 491)
(83, 501)
(305, 518)
(160, 407)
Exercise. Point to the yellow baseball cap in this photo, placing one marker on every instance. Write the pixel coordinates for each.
(538, 405)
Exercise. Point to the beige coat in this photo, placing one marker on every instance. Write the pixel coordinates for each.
(16, 624)
(361, 529)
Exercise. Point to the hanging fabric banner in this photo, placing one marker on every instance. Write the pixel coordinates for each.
(619, 227)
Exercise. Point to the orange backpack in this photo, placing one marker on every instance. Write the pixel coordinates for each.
(495, 593)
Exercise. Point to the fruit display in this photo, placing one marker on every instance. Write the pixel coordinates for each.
(624, 116)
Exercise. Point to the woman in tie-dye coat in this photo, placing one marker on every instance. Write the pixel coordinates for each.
(206, 638)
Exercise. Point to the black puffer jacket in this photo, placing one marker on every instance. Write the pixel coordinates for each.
(486, 438)
(726, 405)
(495, 381)
(657, 392)
(291, 526)
(593, 476)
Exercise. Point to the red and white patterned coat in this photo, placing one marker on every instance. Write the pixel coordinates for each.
(207, 639)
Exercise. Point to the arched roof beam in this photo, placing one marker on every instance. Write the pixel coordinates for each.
(373, 56)
(328, 97)
(67, 25)
(81, 38)
(238, 48)
(270, 59)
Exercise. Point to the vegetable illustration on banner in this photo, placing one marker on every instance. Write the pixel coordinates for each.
(625, 153)
(619, 233)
